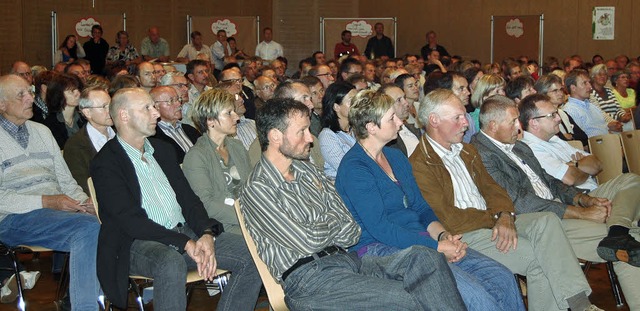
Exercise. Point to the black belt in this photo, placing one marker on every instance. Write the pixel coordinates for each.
(329, 250)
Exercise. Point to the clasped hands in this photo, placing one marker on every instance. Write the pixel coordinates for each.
(203, 253)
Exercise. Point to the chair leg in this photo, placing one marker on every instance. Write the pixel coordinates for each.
(615, 285)
(136, 289)
(16, 271)
(63, 283)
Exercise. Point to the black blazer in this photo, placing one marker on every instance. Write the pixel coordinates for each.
(124, 219)
(78, 153)
(191, 132)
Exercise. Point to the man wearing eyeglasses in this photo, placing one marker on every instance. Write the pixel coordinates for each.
(84, 145)
(23, 70)
(146, 75)
(234, 76)
(264, 87)
(350, 67)
(41, 202)
(513, 165)
(170, 128)
(322, 72)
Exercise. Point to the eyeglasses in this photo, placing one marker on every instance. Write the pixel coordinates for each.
(269, 87)
(171, 100)
(323, 74)
(552, 115)
(105, 106)
(179, 85)
(232, 80)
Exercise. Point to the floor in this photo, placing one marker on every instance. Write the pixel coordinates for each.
(42, 296)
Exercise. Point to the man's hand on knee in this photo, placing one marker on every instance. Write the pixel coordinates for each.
(62, 202)
(205, 249)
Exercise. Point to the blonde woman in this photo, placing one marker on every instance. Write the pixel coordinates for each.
(217, 165)
(489, 85)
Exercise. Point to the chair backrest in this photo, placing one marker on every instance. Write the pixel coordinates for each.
(576, 144)
(275, 292)
(631, 147)
(94, 199)
(609, 150)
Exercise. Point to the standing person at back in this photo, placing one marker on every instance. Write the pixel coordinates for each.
(96, 50)
(268, 49)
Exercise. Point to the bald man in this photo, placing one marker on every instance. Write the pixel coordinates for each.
(154, 47)
(152, 222)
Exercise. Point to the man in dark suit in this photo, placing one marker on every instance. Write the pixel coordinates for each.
(153, 224)
(513, 165)
(234, 76)
(84, 145)
(170, 128)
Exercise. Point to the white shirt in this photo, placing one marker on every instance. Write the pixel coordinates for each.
(269, 51)
(97, 139)
(465, 192)
(542, 190)
(189, 52)
(410, 140)
(554, 155)
(217, 50)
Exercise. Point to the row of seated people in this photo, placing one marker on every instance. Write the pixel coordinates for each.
(171, 100)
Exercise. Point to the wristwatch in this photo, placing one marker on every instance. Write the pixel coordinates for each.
(497, 215)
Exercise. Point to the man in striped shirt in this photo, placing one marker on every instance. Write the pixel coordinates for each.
(153, 224)
(301, 228)
(170, 128)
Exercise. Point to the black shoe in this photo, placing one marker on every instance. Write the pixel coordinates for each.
(620, 248)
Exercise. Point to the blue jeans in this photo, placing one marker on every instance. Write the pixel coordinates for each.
(168, 268)
(483, 283)
(66, 232)
(416, 278)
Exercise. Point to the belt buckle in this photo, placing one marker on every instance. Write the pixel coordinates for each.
(331, 250)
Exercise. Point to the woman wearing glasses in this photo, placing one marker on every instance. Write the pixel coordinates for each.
(217, 165)
(377, 185)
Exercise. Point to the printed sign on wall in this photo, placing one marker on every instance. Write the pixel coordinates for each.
(83, 26)
(360, 29)
(603, 22)
(228, 26)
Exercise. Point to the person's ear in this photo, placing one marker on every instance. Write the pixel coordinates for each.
(275, 137)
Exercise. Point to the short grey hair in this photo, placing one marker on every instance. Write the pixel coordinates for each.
(431, 103)
(493, 109)
(85, 101)
(167, 79)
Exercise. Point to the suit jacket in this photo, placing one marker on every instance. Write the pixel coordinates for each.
(436, 186)
(78, 152)
(124, 219)
(191, 132)
(398, 143)
(248, 96)
(510, 176)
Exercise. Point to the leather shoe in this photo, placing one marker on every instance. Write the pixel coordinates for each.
(620, 248)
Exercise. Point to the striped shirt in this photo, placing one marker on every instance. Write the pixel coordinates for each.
(587, 116)
(609, 104)
(542, 190)
(177, 134)
(158, 198)
(465, 192)
(293, 220)
(246, 132)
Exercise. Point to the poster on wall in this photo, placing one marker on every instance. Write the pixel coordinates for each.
(602, 25)
(514, 36)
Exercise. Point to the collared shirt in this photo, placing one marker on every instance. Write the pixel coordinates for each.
(246, 132)
(42, 105)
(98, 139)
(554, 155)
(177, 134)
(465, 191)
(587, 116)
(292, 220)
(410, 140)
(155, 50)
(542, 190)
(158, 198)
(217, 50)
(269, 50)
(190, 52)
(18, 132)
(193, 96)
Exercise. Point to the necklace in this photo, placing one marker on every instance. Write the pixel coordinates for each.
(382, 168)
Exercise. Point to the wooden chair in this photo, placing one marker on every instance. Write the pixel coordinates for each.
(609, 150)
(576, 144)
(275, 293)
(192, 276)
(631, 147)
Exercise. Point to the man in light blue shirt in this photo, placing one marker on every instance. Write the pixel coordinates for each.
(587, 115)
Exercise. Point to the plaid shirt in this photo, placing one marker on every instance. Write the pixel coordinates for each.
(18, 132)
